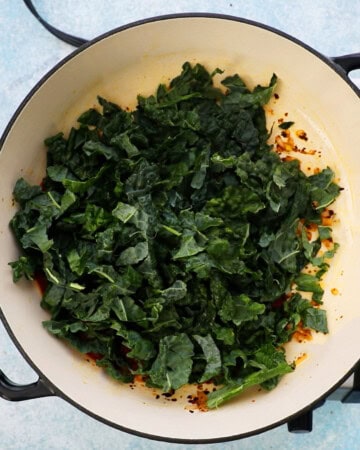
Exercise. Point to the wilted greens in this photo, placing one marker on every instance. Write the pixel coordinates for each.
(173, 237)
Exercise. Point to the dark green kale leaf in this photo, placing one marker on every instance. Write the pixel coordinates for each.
(262, 376)
(172, 366)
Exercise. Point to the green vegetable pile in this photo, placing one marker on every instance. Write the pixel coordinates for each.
(173, 238)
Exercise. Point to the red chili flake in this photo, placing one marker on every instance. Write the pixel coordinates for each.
(41, 281)
(168, 394)
(193, 400)
(301, 134)
(279, 301)
(94, 356)
(302, 334)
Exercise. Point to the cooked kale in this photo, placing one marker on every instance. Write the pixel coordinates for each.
(173, 238)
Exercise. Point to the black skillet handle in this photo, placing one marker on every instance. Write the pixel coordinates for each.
(65, 37)
(16, 392)
(348, 62)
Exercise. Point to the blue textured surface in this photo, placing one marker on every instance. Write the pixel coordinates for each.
(27, 52)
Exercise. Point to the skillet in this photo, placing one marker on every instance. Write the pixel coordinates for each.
(142, 53)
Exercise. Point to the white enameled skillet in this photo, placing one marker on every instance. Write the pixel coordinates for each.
(314, 91)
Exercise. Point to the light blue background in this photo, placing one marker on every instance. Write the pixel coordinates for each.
(27, 52)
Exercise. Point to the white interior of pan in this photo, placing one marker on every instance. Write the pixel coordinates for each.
(135, 61)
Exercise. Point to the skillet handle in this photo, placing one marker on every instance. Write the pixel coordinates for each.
(16, 392)
(75, 41)
(348, 62)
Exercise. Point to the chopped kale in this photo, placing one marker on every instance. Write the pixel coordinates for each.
(173, 239)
